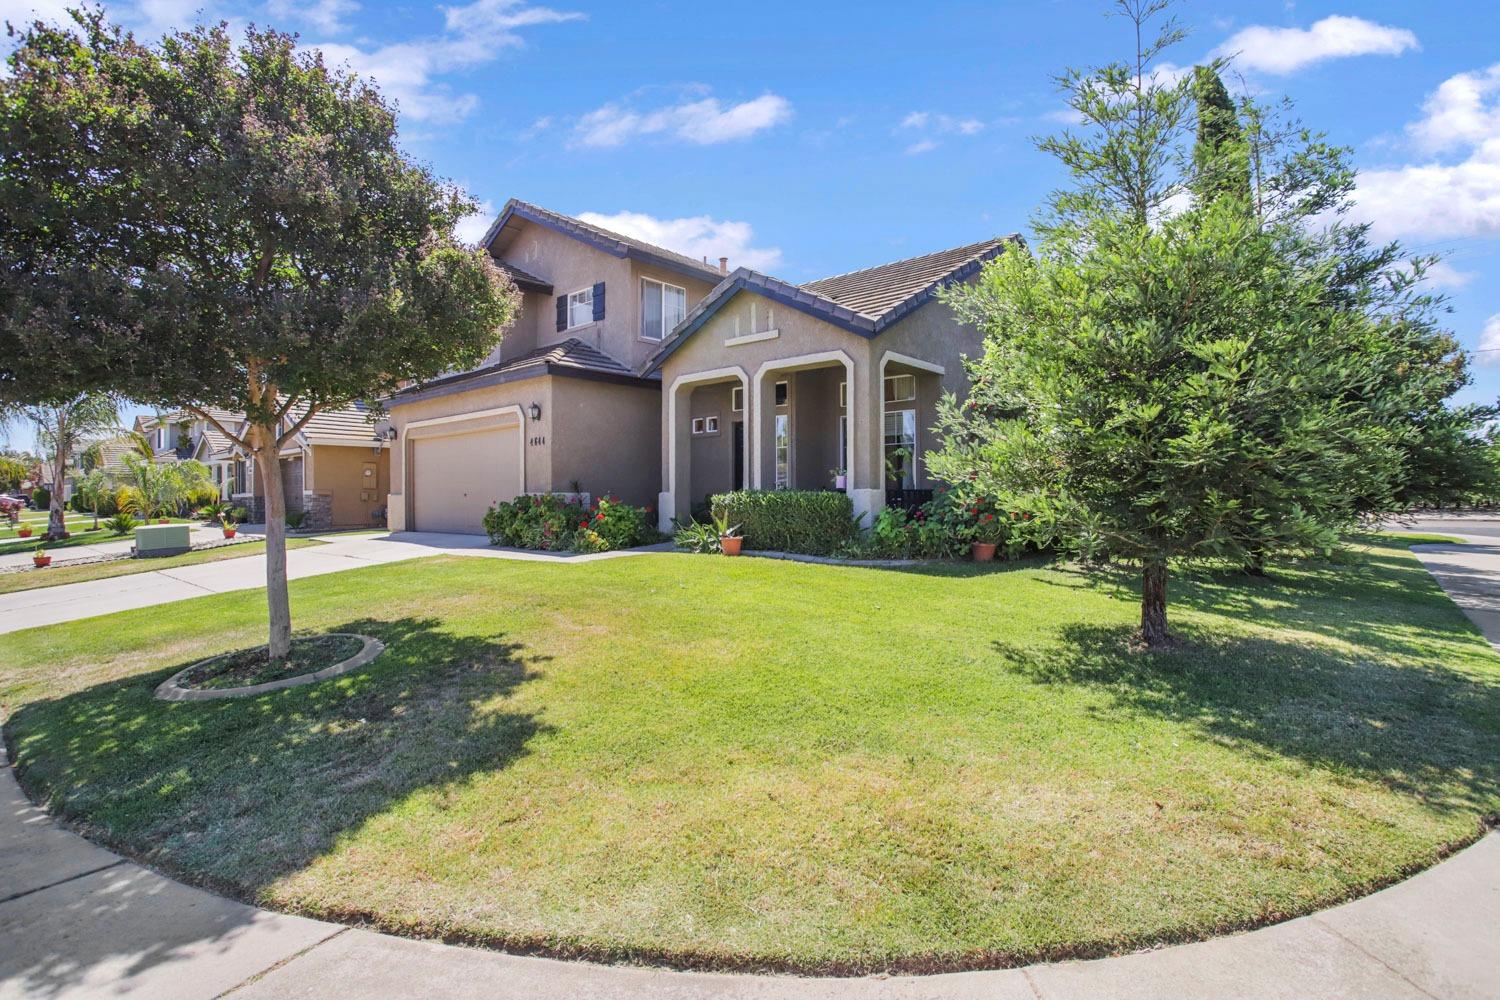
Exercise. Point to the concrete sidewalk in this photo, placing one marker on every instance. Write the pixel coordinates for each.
(69, 602)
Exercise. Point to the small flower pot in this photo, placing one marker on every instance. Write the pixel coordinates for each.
(41, 562)
(840, 482)
(731, 546)
(229, 532)
(163, 520)
(23, 533)
(983, 551)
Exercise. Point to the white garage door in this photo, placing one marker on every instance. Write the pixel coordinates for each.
(457, 477)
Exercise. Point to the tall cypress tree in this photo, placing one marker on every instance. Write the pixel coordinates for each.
(1221, 155)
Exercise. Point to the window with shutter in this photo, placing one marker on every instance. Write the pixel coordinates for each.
(562, 313)
(598, 302)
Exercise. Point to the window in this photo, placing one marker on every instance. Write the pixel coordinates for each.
(783, 441)
(711, 425)
(239, 477)
(844, 395)
(161, 438)
(697, 425)
(900, 388)
(781, 393)
(737, 398)
(663, 306)
(580, 308)
(901, 448)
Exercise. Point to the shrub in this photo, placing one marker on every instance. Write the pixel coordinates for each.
(122, 524)
(695, 536)
(128, 500)
(557, 522)
(240, 515)
(811, 522)
(620, 525)
(295, 519)
(41, 498)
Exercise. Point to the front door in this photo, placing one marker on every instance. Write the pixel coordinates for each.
(739, 455)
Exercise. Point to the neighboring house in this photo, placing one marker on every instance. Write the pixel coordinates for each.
(642, 372)
(336, 469)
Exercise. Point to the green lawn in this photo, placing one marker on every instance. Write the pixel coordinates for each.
(56, 575)
(80, 528)
(761, 764)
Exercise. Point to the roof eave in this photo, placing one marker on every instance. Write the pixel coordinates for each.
(516, 209)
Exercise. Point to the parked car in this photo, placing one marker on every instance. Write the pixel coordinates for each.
(24, 501)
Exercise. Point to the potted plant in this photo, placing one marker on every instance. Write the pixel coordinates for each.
(988, 530)
(40, 558)
(24, 531)
(227, 522)
(840, 479)
(729, 537)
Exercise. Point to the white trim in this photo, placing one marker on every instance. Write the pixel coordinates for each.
(697, 426)
(711, 424)
(406, 466)
(323, 442)
(886, 380)
(801, 361)
(665, 329)
(741, 407)
(568, 311)
(752, 338)
(712, 375)
(910, 362)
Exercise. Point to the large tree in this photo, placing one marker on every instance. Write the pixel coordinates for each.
(204, 224)
(1171, 376)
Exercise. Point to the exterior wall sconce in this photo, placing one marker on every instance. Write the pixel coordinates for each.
(536, 411)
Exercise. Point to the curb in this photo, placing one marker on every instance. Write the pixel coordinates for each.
(172, 690)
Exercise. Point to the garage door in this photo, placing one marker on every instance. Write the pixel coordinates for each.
(457, 476)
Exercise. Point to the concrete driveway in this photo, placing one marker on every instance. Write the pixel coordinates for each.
(50, 605)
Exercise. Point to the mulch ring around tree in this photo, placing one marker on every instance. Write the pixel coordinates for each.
(247, 672)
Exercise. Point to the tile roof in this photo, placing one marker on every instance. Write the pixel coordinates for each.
(612, 242)
(524, 279)
(354, 423)
(875, 291)
(571, 355)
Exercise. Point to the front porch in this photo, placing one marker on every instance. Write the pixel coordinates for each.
(794, 425)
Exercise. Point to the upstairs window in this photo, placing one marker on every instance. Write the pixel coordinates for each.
(580, 308)
(900, 388)
(663, 306)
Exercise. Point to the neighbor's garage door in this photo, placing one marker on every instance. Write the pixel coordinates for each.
(457, 476)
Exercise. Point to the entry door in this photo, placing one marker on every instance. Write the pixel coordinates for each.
(739, 455)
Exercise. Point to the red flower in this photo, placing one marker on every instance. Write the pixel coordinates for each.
(583, 524)
(989, 517)
(1025, 517)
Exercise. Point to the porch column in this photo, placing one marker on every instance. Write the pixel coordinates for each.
(677, 419)
(866, 439)
(762, 418)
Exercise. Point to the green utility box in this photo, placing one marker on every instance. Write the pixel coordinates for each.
(162, 540)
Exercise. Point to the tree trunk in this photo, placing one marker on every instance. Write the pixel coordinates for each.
(57, 524)
(1153, 634)
(268, 468)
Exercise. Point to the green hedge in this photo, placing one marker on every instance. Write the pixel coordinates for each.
(812, 522)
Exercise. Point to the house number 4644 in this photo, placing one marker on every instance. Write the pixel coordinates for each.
(538, 441)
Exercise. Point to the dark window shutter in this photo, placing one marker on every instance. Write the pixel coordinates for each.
(562, 313)
(598, 302)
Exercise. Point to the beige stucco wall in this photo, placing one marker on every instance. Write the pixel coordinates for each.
(570, 266)
(338, 471)
(606, 438)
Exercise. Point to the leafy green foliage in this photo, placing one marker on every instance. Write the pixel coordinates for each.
(1221, 155)
(812, 522)
(697, 537)
(41, 498)
(122, 524)
(558, 522)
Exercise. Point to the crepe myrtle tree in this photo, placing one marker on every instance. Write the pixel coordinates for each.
(217, 225)
(1170, 377)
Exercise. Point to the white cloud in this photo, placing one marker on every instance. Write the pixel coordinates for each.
(21, 12)
(697, 236)
(921, 146)
(942, 124)
(1489, 343)
(704, 122)
(1444, 275)
(1442, 199)
(1286, 50)
(325, 15)
(1457, 113)
(471, 228)
(476, 34)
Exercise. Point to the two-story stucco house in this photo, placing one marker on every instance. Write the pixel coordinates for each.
(642, 372)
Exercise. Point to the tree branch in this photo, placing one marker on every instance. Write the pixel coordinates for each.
(218, 426)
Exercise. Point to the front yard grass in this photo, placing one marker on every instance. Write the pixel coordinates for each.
(750, 763)
(57, 575)
(80, 530)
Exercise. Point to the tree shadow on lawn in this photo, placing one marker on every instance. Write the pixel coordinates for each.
(1423, 731)
(236, 793)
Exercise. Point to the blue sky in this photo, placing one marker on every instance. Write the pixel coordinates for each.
(807, 139)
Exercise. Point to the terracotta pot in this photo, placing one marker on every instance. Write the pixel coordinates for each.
(23, 533)
(42, 562)
(983, 551)
(730, 545)
(163, 520)
(229, 532)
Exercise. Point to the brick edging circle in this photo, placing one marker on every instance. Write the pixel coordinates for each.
(171, 689)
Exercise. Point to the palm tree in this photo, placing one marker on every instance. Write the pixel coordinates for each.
(93, 488)
(63, 427)
(160, 490)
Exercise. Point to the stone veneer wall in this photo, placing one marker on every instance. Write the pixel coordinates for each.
(319, 508)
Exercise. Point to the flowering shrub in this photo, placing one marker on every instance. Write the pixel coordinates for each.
(553, 522)
(944, 527)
